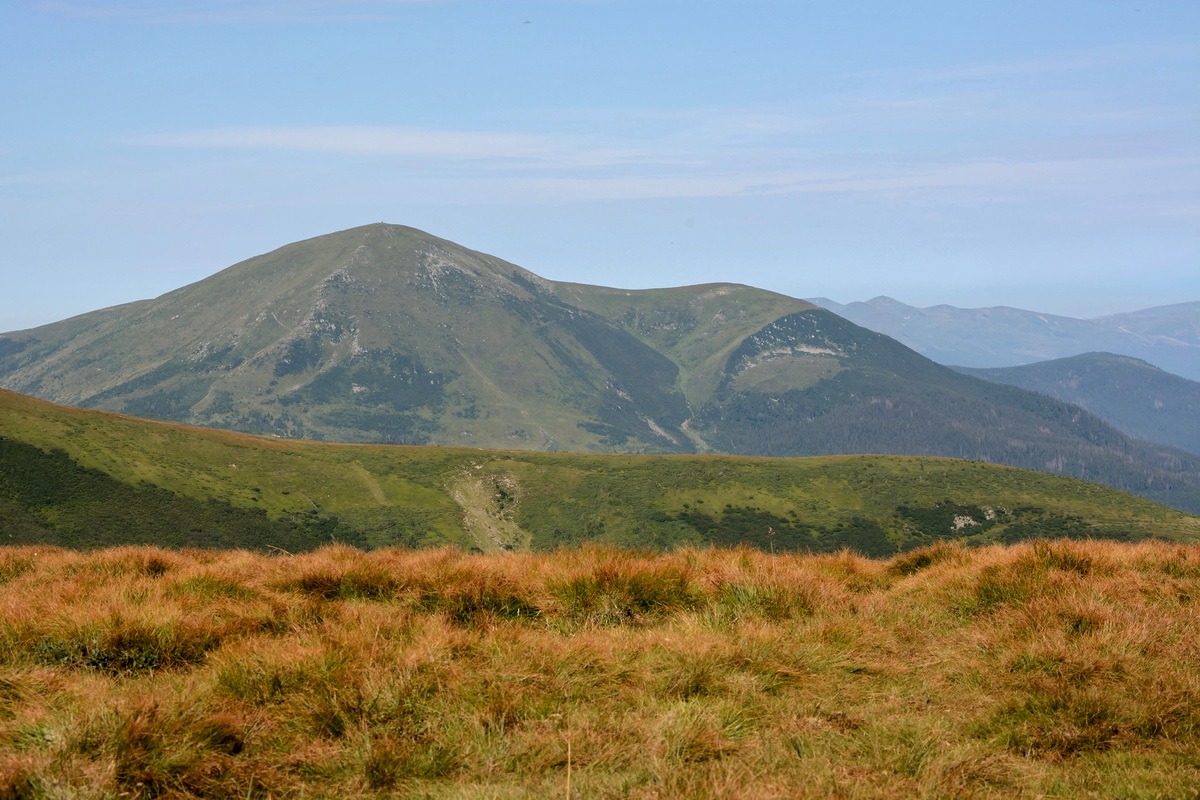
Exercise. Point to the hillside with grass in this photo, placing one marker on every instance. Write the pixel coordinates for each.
(87, 478)
(1061, 669)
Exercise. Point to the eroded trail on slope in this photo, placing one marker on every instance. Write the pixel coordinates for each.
(489, 503)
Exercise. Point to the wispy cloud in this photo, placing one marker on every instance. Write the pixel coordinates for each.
(217, 11)
(362, 139)
(971, 182)
(697, 162)
(526, 150)
(1078, 60)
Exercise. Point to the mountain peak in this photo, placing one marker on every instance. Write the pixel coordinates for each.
(884, 300)
(368, 259)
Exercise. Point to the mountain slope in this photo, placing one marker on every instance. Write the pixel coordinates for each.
(1138, 398)
(697, 327)
(1168, 336)
(379, 333)
(46, 497)
(880, 397)
(59, 465)
(387, 334)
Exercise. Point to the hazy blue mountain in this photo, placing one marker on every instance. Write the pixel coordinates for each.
(1167, 337)
(1136, 397)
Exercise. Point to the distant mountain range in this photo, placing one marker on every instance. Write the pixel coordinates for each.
(1168, 336)
(1138, 398)
(387, 334)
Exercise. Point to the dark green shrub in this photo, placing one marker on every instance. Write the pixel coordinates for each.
(119, 647)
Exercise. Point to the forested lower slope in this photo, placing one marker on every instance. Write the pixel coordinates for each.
(888, 399)
(1140, 399)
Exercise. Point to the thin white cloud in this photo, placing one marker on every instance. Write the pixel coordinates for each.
(1079, 60)
(526, 150)
(178, 11)
(362, 140)
(1094, 183)
(524, 168)
(968, 175)
(1186, 212)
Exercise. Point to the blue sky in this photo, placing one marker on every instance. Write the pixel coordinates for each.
(1044, 155)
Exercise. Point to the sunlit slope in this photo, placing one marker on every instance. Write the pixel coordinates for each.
(375, 495)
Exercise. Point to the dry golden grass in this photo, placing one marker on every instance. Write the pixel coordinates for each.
(1061, 669)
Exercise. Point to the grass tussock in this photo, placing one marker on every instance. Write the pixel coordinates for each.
(1045, 669)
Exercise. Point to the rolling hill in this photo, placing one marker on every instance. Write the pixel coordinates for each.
(387, 334)
(1166, 336)
(1136, 397)
(84, 478)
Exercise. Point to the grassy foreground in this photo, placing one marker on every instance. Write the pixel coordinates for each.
(1046, 669)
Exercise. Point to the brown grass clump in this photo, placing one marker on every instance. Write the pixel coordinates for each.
(1044, 669)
